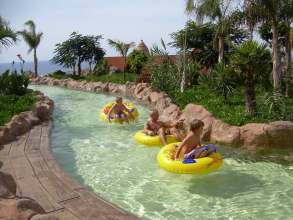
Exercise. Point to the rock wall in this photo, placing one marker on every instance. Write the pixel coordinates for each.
(250, 136)
(12, 206)
(20, 124)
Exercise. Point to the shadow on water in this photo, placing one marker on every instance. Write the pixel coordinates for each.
(225, 185)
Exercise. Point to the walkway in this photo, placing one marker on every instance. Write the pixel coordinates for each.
(38, 176)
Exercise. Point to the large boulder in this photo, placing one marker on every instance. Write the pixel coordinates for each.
(17, 126)
(192, 111)
(154, 97)
(7, 185)
(253, 135)
(19, 209)
(225, 134)
(172, 113)
(44, 217)
(280, 134)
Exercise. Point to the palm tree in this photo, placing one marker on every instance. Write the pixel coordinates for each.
(218, 11)
(7, 35)
(251, 60)
(271, 10)
(121, 48)
(33, 40)
(191, 9)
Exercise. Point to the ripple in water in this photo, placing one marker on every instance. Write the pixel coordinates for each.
(106, 159)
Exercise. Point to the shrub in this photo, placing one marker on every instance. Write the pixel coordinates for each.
(13, 83)
(13, 104)
(59, 74)
(165, 77)
(136, 60)
(101, 68)
(223, 80)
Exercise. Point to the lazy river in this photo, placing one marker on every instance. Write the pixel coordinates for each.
(105, 158)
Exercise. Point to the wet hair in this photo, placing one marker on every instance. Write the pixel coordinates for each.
(154, 111)
(118, 98)
(196, 124)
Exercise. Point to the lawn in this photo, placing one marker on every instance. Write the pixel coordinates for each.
(113, 78)
(232, 111)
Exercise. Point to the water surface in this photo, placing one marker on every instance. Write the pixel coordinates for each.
(105, 158)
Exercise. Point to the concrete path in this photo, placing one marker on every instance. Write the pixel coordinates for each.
(38, 176)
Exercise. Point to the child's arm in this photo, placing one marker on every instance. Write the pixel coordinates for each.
(146, 129)
(183, 143)
(110, 111)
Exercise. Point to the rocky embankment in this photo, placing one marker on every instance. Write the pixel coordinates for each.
(251, 136)
(11, 205)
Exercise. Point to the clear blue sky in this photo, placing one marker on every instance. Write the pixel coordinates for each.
(126, 20)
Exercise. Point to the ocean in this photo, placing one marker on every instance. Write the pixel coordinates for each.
(44, 67)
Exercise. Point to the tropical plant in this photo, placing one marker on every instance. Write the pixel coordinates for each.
(165, 77)
(218, 11)
(122, 48)
(251, 60)
(13, 83)
(33, 39)
(136, 59)
(223, 80)
(7, 35)
(277, 105)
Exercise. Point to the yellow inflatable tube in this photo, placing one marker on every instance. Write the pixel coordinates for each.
(152, 141)
(106, 109)
(202, 166)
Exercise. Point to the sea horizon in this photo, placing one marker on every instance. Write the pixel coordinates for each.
(44, 67)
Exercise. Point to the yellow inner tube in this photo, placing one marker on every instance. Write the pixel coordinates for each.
(141, 138)
(202, 166)
(106, 109)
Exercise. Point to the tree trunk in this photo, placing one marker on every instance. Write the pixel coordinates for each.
(250, 100)
(221, 49)
(90, 66)
(125, 60)
(288, 61)
(251, 33)
(275, 46)
(35, 62)
(79, 68)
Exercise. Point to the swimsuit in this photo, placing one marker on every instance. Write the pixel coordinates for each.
(196, 152)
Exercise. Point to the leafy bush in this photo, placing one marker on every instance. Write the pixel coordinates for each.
(223, 80)
(59, 74)
(165, 77)
(13, 104)
(136, 60)
(13, 83)
(101, 68)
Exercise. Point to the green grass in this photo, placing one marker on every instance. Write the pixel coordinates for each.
(12, 105)
(231, 112)
(113, 78)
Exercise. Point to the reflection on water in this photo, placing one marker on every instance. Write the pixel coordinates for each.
(105, 158)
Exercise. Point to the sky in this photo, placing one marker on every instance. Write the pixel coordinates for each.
(125, 20)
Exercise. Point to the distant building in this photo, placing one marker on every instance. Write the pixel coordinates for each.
(118, 63)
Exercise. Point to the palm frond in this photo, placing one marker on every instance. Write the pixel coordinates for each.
(7, 35)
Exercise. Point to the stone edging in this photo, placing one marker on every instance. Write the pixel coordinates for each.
(19, 124)
(251, 136)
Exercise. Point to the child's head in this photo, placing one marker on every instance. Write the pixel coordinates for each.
(154, 115)
(196, 125)
(119, 100)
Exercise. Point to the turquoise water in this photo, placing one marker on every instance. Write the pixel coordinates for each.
(105, 158)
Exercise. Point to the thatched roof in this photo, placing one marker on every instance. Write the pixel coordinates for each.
(142, 47)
